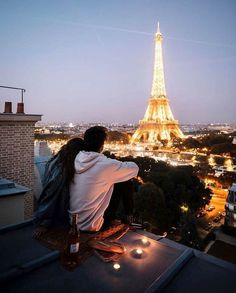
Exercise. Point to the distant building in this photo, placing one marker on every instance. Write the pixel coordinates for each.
(230, 208)
(41, 148)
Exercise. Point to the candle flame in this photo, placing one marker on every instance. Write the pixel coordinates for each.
(139, 251)
(116, 266)
(144, 240)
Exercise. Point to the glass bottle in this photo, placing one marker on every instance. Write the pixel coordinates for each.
(73, 242)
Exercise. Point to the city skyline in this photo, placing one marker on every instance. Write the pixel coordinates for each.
(90, 61)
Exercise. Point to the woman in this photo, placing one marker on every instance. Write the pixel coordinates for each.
(53, 203)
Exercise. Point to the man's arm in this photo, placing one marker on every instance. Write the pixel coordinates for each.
(122, 171)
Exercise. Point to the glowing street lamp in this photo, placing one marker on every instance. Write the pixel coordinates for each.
(184, 208)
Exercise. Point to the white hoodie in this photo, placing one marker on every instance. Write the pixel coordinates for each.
(92, 187)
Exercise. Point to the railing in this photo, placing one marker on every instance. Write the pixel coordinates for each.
(15, 88)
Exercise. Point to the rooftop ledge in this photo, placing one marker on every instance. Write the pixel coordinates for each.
(6, 117)
(8, 188)
(165, 266)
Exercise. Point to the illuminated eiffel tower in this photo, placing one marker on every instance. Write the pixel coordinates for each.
(158, 123)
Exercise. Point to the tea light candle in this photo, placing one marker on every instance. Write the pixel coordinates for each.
(116, 267)
(139, 252)
(145, 241)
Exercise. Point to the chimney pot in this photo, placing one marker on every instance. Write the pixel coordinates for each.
(20, 108)
(8, 108)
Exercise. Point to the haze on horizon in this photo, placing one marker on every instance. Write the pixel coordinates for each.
(92, 61)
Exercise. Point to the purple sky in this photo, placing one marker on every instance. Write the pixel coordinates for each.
(92, 61)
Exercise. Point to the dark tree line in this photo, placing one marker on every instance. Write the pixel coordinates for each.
(215, 142)
(169, 196)
(119, 137)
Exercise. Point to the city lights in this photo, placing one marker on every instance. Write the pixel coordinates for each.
(184, 209)
(228, 164)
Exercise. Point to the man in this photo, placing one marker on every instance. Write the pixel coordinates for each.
(95, 176)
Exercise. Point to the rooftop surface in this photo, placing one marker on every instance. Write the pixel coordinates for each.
(165, 266)
(223, 250)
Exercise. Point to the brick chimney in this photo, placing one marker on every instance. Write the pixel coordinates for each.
(17, 152)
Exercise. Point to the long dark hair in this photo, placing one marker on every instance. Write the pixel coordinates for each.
(66, 157)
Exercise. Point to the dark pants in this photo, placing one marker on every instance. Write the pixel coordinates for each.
(121, 203)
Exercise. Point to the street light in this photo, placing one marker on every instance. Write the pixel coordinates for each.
(184, 208)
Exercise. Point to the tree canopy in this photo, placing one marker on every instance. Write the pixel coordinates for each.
(164, 192)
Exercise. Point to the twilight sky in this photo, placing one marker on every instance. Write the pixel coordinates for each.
(92, 60)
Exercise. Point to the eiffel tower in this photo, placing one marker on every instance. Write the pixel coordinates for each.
(158, 123)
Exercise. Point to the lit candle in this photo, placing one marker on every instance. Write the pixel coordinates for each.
(116, 266)
(145, 241)
(139, 252)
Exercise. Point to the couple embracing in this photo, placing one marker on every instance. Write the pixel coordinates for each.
(80, 179)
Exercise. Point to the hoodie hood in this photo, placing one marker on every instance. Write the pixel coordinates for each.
(85, 160)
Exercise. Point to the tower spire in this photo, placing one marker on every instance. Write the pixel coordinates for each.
(158, 84)
(158, 28)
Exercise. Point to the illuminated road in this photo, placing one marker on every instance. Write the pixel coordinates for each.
(218, 201)
(206, 223)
